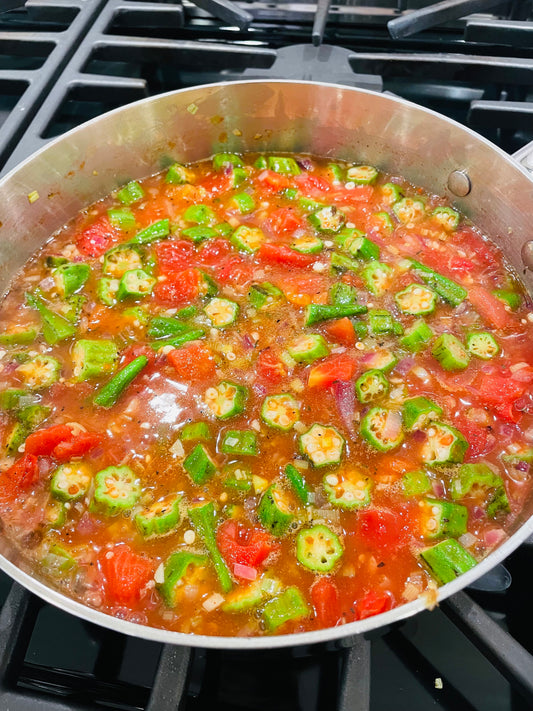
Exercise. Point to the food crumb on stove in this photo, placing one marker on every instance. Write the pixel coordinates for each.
(438, 683)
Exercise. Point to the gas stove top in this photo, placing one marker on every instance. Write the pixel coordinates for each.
(63, 62)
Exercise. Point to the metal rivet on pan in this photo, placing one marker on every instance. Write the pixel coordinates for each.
(527, 254)
(459, 183)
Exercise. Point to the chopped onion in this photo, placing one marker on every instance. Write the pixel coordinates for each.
(212, 602)
(404, 366)
(467, 539)
(159, 575)
(438, 488)
(305, 163)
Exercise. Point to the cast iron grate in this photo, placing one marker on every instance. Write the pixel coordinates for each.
(131, 49)
(87, 668)
(36, 43)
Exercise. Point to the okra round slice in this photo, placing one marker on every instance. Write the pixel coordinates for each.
(377, 277)
(443, 445)
(384, 360)
(289, 605)
(134, 284)
(222, 312)
(179, 566)
(327, 220)
(199, 465)
(348, 490)
(322, 445)
(482, 345)
(240, 442)
(71, 481)
(121, 259)
(442, 518)
(447, 218)
(69, 278)
(308, 348)
(307, 244)
(473, 478)
(371, 386)
(318, 548)
(226, 400)
(280, 411)
(247, 239)
(416, 299)
(39, 372)
(416, 483)
(447, 560)
(160, 518)
(417, 336)
(382, 428)
(391, 193)
(94, 358)
(117, 489)
(450, 352)
(243, 599)
(274, 511)
(418, 412)
(362, 174)
(409, 210)
(55, 514)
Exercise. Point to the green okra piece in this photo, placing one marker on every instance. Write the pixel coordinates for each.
(110, 393)
(156, 231)
(203, 518)
(130, 193)
(447, 289)
(69, 278)
(298, 484)
(164, 327)
(20, 337)
(180, 339)
(55, 327)
(315, 313)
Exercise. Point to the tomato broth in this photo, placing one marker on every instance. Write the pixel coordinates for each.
(263, 394)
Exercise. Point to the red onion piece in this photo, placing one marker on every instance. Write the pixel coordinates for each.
(244, 571)
(45, 466)
(494, 536)
(247, 342)
(405, 365)
(477, 513)
(522, 466)
(259, 390)
(344, 394)
(305, 163)
(419, 436)
(438, 488)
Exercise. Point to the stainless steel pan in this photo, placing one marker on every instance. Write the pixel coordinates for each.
(135, 141)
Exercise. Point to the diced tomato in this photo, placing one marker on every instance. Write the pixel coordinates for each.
(214, 251)
(473, 243)
(236, 271)
(304, 289)
(97, 238)
(273, 181)
(500, 394)
(174, 255)
(312, 186)
(382, 529)
(342, 195)
(374, 602)
(77, 446)
(247, 546)
(216, 183)
(280, 254)
(325, 599)
(192, 362)
(178, 288)
(491, 308)
(340, 367)
(126, 572)
(24, 473)
(43, 442)
(342, 331)
(480, 441)
(136, 350)
(270, 367)
(283, 220)
(461, 266)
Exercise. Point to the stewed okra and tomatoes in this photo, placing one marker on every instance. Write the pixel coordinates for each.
(263, 394)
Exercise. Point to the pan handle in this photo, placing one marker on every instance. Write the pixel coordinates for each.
(524, 156)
